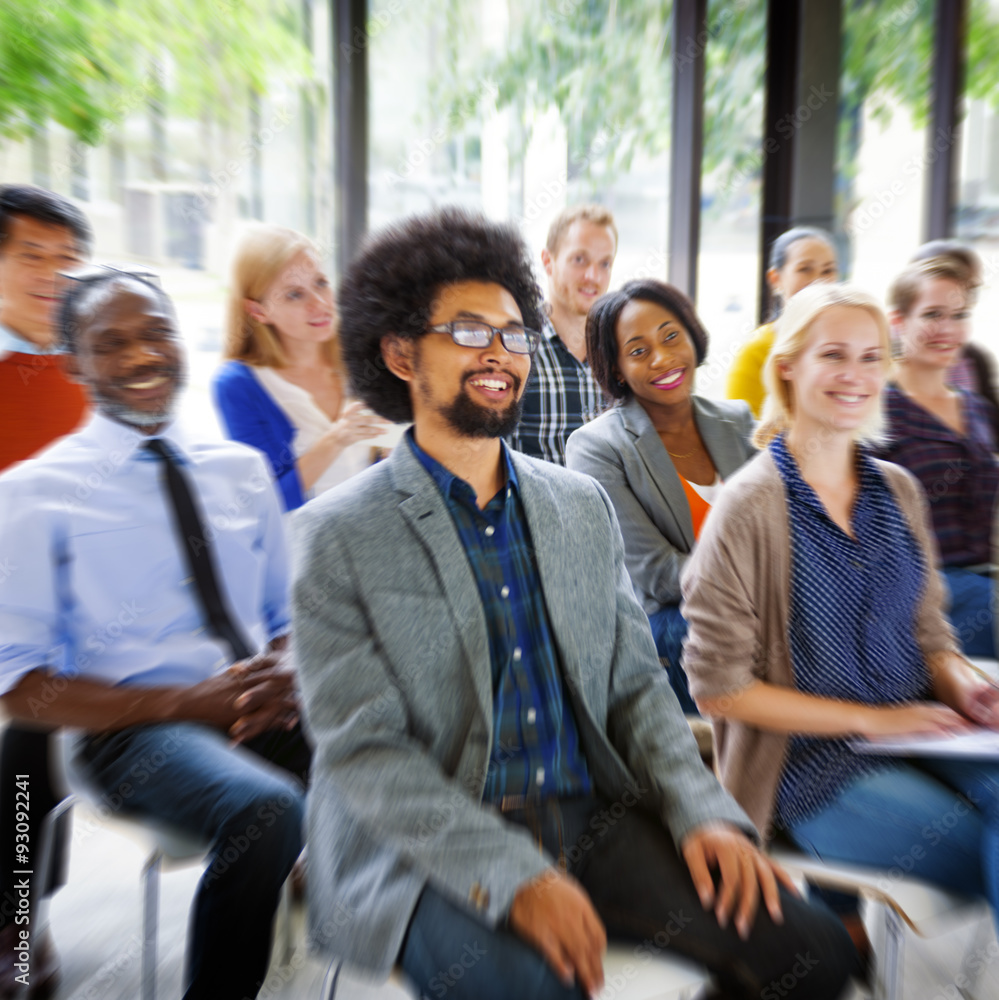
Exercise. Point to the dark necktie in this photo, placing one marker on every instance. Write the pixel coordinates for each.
(197, 551)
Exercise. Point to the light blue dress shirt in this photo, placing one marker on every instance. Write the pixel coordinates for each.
(11, 343)
(93, 578)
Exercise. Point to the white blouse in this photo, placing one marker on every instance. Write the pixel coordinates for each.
(310, 424)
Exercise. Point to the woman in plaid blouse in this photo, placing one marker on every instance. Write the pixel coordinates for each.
(945, 436)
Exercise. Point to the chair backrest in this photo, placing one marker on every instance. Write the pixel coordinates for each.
(926, 908)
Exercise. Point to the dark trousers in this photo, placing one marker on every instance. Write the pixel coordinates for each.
(643, 892)
(27, 753)
(237, 800)
(669, 629)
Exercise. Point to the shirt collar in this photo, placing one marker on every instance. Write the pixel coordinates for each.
(118, 438)
(917, 421)
(548, 330)
(869, 476)
(12, 343)
(447, 482)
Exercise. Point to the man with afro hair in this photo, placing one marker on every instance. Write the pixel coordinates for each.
(502, 776)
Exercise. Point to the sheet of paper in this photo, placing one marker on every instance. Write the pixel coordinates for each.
(978, 743)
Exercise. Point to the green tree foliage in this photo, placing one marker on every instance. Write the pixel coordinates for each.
(54, 64)
(86, 64)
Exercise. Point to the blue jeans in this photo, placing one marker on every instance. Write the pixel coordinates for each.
(641, 888)
(972, 610)
(669, 629)
(249, 811)
(937, 820)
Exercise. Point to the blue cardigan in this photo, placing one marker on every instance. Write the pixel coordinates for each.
(250, 415)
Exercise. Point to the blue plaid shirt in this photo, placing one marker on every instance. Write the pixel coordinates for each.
(536, 749)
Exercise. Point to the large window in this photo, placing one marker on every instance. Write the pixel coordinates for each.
(728, 276)
(519, 108)
(883, 159)
(977, 216)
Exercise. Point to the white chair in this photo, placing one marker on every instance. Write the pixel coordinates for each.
(630, 973)
(905, 902)
(166, 848)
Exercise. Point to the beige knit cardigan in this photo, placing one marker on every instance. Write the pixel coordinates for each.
(736, 591)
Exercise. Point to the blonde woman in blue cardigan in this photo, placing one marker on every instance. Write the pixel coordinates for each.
(282, 388)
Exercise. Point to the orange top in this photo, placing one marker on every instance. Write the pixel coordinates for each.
(699, 507)
(38, 404)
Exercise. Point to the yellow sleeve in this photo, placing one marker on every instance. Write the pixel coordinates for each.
(745, 378)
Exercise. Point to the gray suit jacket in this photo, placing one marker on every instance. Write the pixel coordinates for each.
(391, 644)
(623, 452)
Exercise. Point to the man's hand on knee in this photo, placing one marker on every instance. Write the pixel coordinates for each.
(554, 914)
(745, 873)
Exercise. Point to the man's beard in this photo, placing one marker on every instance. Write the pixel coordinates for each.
(470, 419)
(124, 414)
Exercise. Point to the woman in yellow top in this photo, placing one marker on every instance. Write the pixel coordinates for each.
(797, 258)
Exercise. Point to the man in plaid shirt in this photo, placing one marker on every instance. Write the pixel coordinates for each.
(562, 394)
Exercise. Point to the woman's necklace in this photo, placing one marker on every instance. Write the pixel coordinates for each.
(674, 455)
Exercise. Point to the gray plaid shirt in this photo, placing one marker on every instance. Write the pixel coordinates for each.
(560, 397)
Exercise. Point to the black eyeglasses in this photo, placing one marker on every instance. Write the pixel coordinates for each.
(103, 272)
(475, 333)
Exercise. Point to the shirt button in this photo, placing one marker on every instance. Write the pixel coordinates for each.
(490, 531)
(516, 655)
(531, 716)
(539, 776)
(504, 591)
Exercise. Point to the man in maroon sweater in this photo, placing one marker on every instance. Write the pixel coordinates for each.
(41, 234)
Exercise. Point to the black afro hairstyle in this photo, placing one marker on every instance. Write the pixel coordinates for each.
(391, 285)
(84, 298)
(601, 327)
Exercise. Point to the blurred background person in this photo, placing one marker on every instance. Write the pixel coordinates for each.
(282, 388)
(797, 258)
(662, 452)
(815, 616)
(944, 436)
(975, 369)
(41, 234)
(561, 393)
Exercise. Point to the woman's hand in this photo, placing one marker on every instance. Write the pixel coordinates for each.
(356, 423)
(925, 718)
(980, 703)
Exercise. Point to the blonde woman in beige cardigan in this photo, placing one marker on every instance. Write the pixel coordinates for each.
(814, 610)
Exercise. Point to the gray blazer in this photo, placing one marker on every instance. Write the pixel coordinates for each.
(393, 653)
(624, 453)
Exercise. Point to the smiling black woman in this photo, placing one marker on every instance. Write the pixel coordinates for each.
(662, 452)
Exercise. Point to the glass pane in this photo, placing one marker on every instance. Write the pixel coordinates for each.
(882, 155)
(731, 196)
(519, 108)
(977, 217)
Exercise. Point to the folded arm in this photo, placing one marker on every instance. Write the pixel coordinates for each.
(654, 562)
